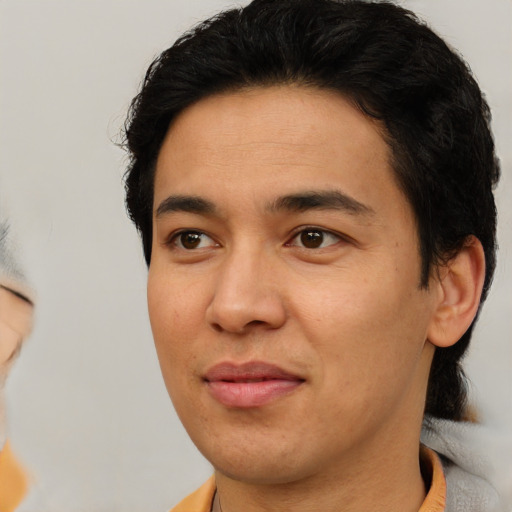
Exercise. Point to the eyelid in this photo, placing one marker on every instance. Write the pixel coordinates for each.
(301, 229)
(171, 240)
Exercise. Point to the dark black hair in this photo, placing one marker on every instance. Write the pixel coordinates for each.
(395, 69)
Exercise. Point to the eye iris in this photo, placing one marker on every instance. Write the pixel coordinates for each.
(190, 240)
(311, 239)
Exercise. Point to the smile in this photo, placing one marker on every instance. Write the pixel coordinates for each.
(249, 385)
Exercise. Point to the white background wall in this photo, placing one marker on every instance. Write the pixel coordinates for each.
(88, 411)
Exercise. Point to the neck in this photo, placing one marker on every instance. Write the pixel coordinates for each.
(391, 482)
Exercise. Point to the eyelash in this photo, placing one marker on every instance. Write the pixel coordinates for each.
(174, 240)
(314, 229)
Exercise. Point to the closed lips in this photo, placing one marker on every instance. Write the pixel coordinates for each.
(249, 385)
(248, 372)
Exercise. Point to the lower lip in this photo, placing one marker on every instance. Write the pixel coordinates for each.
(251, 394)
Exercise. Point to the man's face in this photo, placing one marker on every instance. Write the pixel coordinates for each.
(283, 288)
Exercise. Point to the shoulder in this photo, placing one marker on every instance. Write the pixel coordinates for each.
(13, 481)
(200, 500)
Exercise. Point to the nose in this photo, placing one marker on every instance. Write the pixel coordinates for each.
(246, 295)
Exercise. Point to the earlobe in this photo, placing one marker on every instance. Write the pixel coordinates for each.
(460, 285)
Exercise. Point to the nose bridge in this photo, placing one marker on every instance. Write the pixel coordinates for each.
(245, 292)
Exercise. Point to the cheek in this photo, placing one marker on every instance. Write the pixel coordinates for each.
(176, 314)
(369, 338)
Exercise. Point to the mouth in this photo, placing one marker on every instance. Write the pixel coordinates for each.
(249, 385)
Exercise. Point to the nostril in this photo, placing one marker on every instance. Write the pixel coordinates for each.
(254, 323)
(241, 330)
(217, 328)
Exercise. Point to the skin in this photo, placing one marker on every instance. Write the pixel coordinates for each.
(348, 316)
(15, 325)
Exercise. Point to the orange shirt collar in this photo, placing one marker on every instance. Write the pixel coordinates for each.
(435, 501)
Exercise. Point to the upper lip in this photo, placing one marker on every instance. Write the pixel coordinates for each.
(256, 370)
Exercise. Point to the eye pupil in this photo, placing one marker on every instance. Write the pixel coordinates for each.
(190, 240)
(311, 239)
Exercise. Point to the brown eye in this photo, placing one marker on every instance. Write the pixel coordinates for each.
(311, 239)
(190, 240)
(314, 238)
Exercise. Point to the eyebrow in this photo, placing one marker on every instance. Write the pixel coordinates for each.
(189, 204)
(321, 200)
(298, 202)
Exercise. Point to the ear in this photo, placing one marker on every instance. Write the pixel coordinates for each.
(460, 283)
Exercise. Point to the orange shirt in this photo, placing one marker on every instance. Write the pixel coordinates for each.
(435, 500)
(13, 482)
(201, 500)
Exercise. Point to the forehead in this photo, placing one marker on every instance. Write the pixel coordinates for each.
(258, 140)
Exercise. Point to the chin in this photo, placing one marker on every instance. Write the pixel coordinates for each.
(260, 471)
(257, 459)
